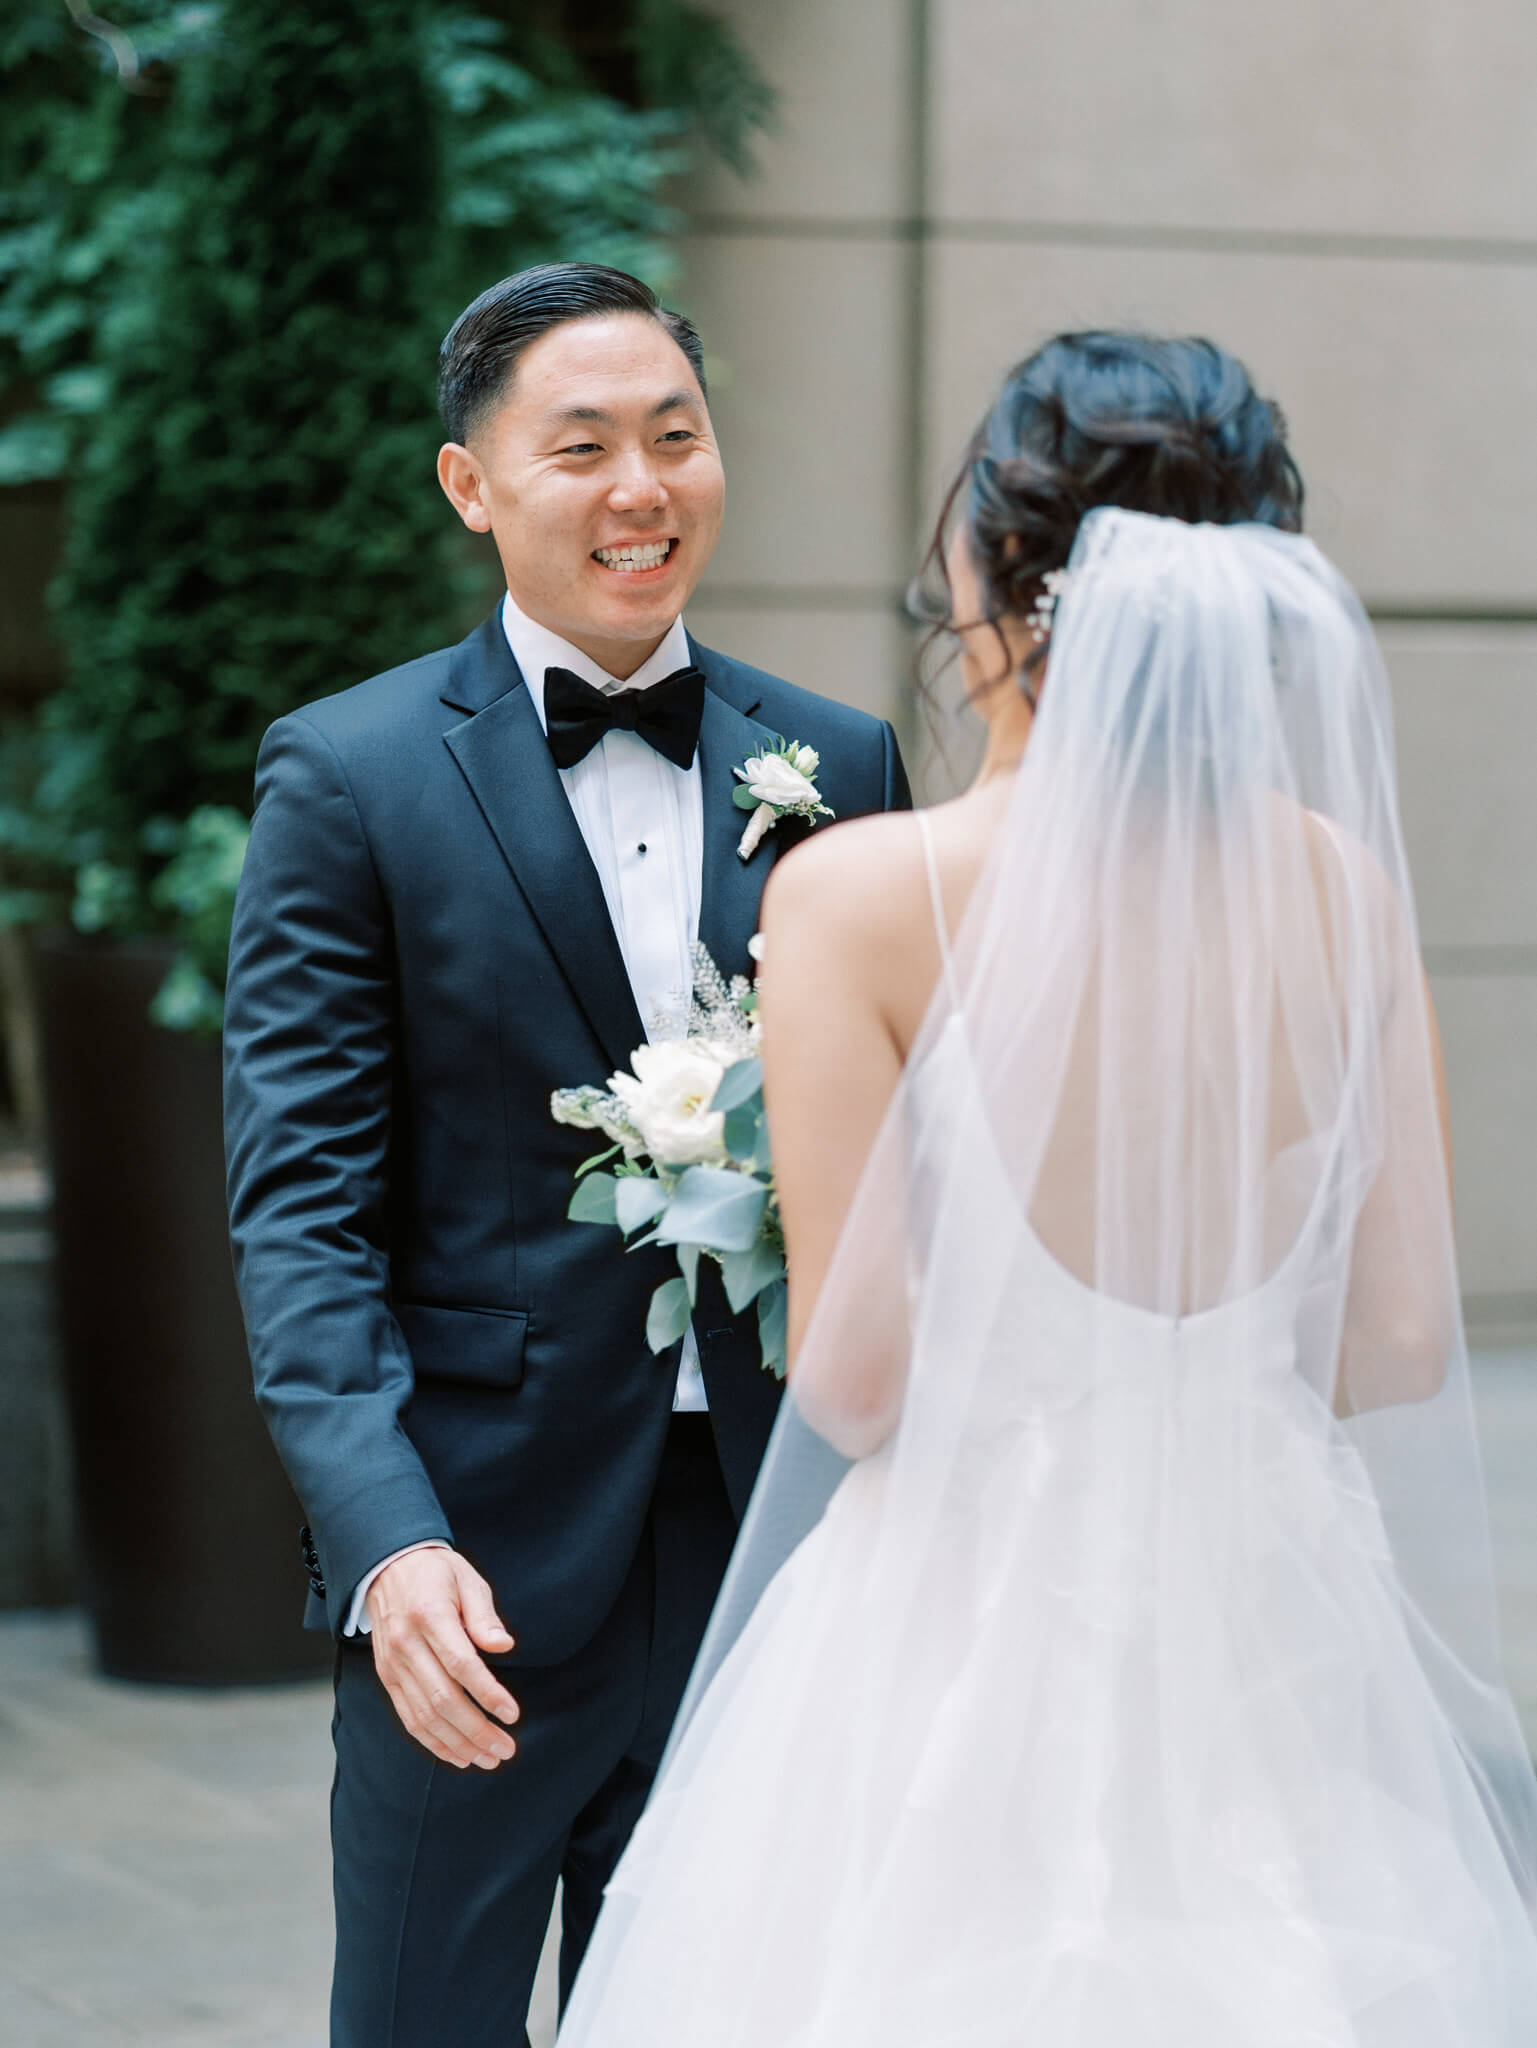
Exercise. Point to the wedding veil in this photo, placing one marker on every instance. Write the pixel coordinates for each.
(1146, 1316)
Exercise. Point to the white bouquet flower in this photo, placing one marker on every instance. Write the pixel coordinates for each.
(668, 1098)
(595, 1109)
(696, 1172)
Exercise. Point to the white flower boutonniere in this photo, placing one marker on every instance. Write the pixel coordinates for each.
(777, 784)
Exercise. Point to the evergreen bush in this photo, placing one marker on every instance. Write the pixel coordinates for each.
(223, 274)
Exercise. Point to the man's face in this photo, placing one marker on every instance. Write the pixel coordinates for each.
(599, 478)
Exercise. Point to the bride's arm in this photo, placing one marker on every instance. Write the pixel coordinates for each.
(830, 1069)
(1401, 1309)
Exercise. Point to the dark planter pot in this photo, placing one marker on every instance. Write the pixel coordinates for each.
(188, 1527)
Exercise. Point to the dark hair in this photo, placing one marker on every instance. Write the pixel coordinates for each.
(481, 349)
(1171, 427)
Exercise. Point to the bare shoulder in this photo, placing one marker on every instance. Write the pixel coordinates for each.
(849, 913)
(1334, 850)
(856, 879)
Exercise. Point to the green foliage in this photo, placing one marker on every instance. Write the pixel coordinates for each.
(250, 526)
(196, 891)
(201, 858)
(230, 238)
(690, 54)
(82, 191)
(536, 170)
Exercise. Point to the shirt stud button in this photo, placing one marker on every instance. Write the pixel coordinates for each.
(641, 847)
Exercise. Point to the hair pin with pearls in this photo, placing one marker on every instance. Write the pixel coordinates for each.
(1053, 584)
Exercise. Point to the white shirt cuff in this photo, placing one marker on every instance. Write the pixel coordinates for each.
(358, 1623)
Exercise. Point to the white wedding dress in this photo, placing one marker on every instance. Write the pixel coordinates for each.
(1095, 1711)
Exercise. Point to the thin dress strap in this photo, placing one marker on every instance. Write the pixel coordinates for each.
(937, 903)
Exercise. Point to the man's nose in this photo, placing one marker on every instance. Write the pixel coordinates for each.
(638, 486)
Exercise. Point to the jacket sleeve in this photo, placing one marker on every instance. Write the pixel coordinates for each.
(309, 1041)
(898, 796)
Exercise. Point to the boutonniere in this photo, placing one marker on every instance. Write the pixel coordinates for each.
(777, 784)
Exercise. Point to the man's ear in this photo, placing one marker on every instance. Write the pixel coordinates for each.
(459, 474)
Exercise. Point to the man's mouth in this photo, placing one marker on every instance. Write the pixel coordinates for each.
(635, 556)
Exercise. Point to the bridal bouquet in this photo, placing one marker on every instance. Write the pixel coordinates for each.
(688, 1162)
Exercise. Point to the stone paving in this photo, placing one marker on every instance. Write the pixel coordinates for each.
(163, 1861)
(164, 1868)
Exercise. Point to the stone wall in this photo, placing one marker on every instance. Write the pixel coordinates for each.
(1346, 198)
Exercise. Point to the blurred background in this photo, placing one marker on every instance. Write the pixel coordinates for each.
(230, 239)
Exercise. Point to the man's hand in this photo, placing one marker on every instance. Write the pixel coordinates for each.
(431, 1614)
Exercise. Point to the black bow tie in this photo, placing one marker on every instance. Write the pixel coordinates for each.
(666, 715)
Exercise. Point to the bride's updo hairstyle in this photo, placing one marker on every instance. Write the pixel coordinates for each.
(1168, 427)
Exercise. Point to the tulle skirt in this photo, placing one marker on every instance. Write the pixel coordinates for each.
(1042, 1774)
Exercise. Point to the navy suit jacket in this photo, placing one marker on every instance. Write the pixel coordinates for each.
(421, 953)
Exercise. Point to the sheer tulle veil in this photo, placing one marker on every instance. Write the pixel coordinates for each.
(1177, 1545)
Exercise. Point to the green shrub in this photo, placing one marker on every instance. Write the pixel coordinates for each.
(228, 248)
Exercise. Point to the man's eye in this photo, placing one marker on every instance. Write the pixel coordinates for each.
(680, 434)
(582, 448)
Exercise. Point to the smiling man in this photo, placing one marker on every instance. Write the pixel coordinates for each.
(471, 881)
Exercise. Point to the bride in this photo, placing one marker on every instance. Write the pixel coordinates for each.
(1109, 1657)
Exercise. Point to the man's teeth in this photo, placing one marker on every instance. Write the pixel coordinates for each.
(649, 555)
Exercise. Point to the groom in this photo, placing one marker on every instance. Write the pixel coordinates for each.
(473, 880)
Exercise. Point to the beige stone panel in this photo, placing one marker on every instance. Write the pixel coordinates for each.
(862, 657)
(805, 344)
(859, 657)
(1465, 704)
(1489, 1029)
(1411, 388)
(949, 737)
(842, 139)
(1279, 115)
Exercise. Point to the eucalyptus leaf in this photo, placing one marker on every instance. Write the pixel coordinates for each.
(743, 798)
(598, 1159)
(716, 1208)
(594, 1200)
(668, 1316)
(739, 1084)
(741, 1133)
(773, 1306)
(637, 1202)
(688, 1260)
(746, 1274)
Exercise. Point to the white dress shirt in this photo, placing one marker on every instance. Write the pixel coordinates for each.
(642, 819)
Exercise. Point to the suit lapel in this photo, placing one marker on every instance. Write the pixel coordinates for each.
(732, 887)
(502, 754)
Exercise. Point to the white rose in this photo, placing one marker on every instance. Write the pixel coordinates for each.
(808, 760)
(774, 780)
(668, 1098)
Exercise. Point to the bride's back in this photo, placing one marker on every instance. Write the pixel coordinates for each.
(1203, 1040)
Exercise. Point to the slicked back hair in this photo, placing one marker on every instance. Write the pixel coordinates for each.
(481, 349)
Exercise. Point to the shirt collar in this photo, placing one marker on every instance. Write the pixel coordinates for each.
(535, 648)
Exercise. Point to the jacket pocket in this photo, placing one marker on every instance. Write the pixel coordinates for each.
(479, 1347)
